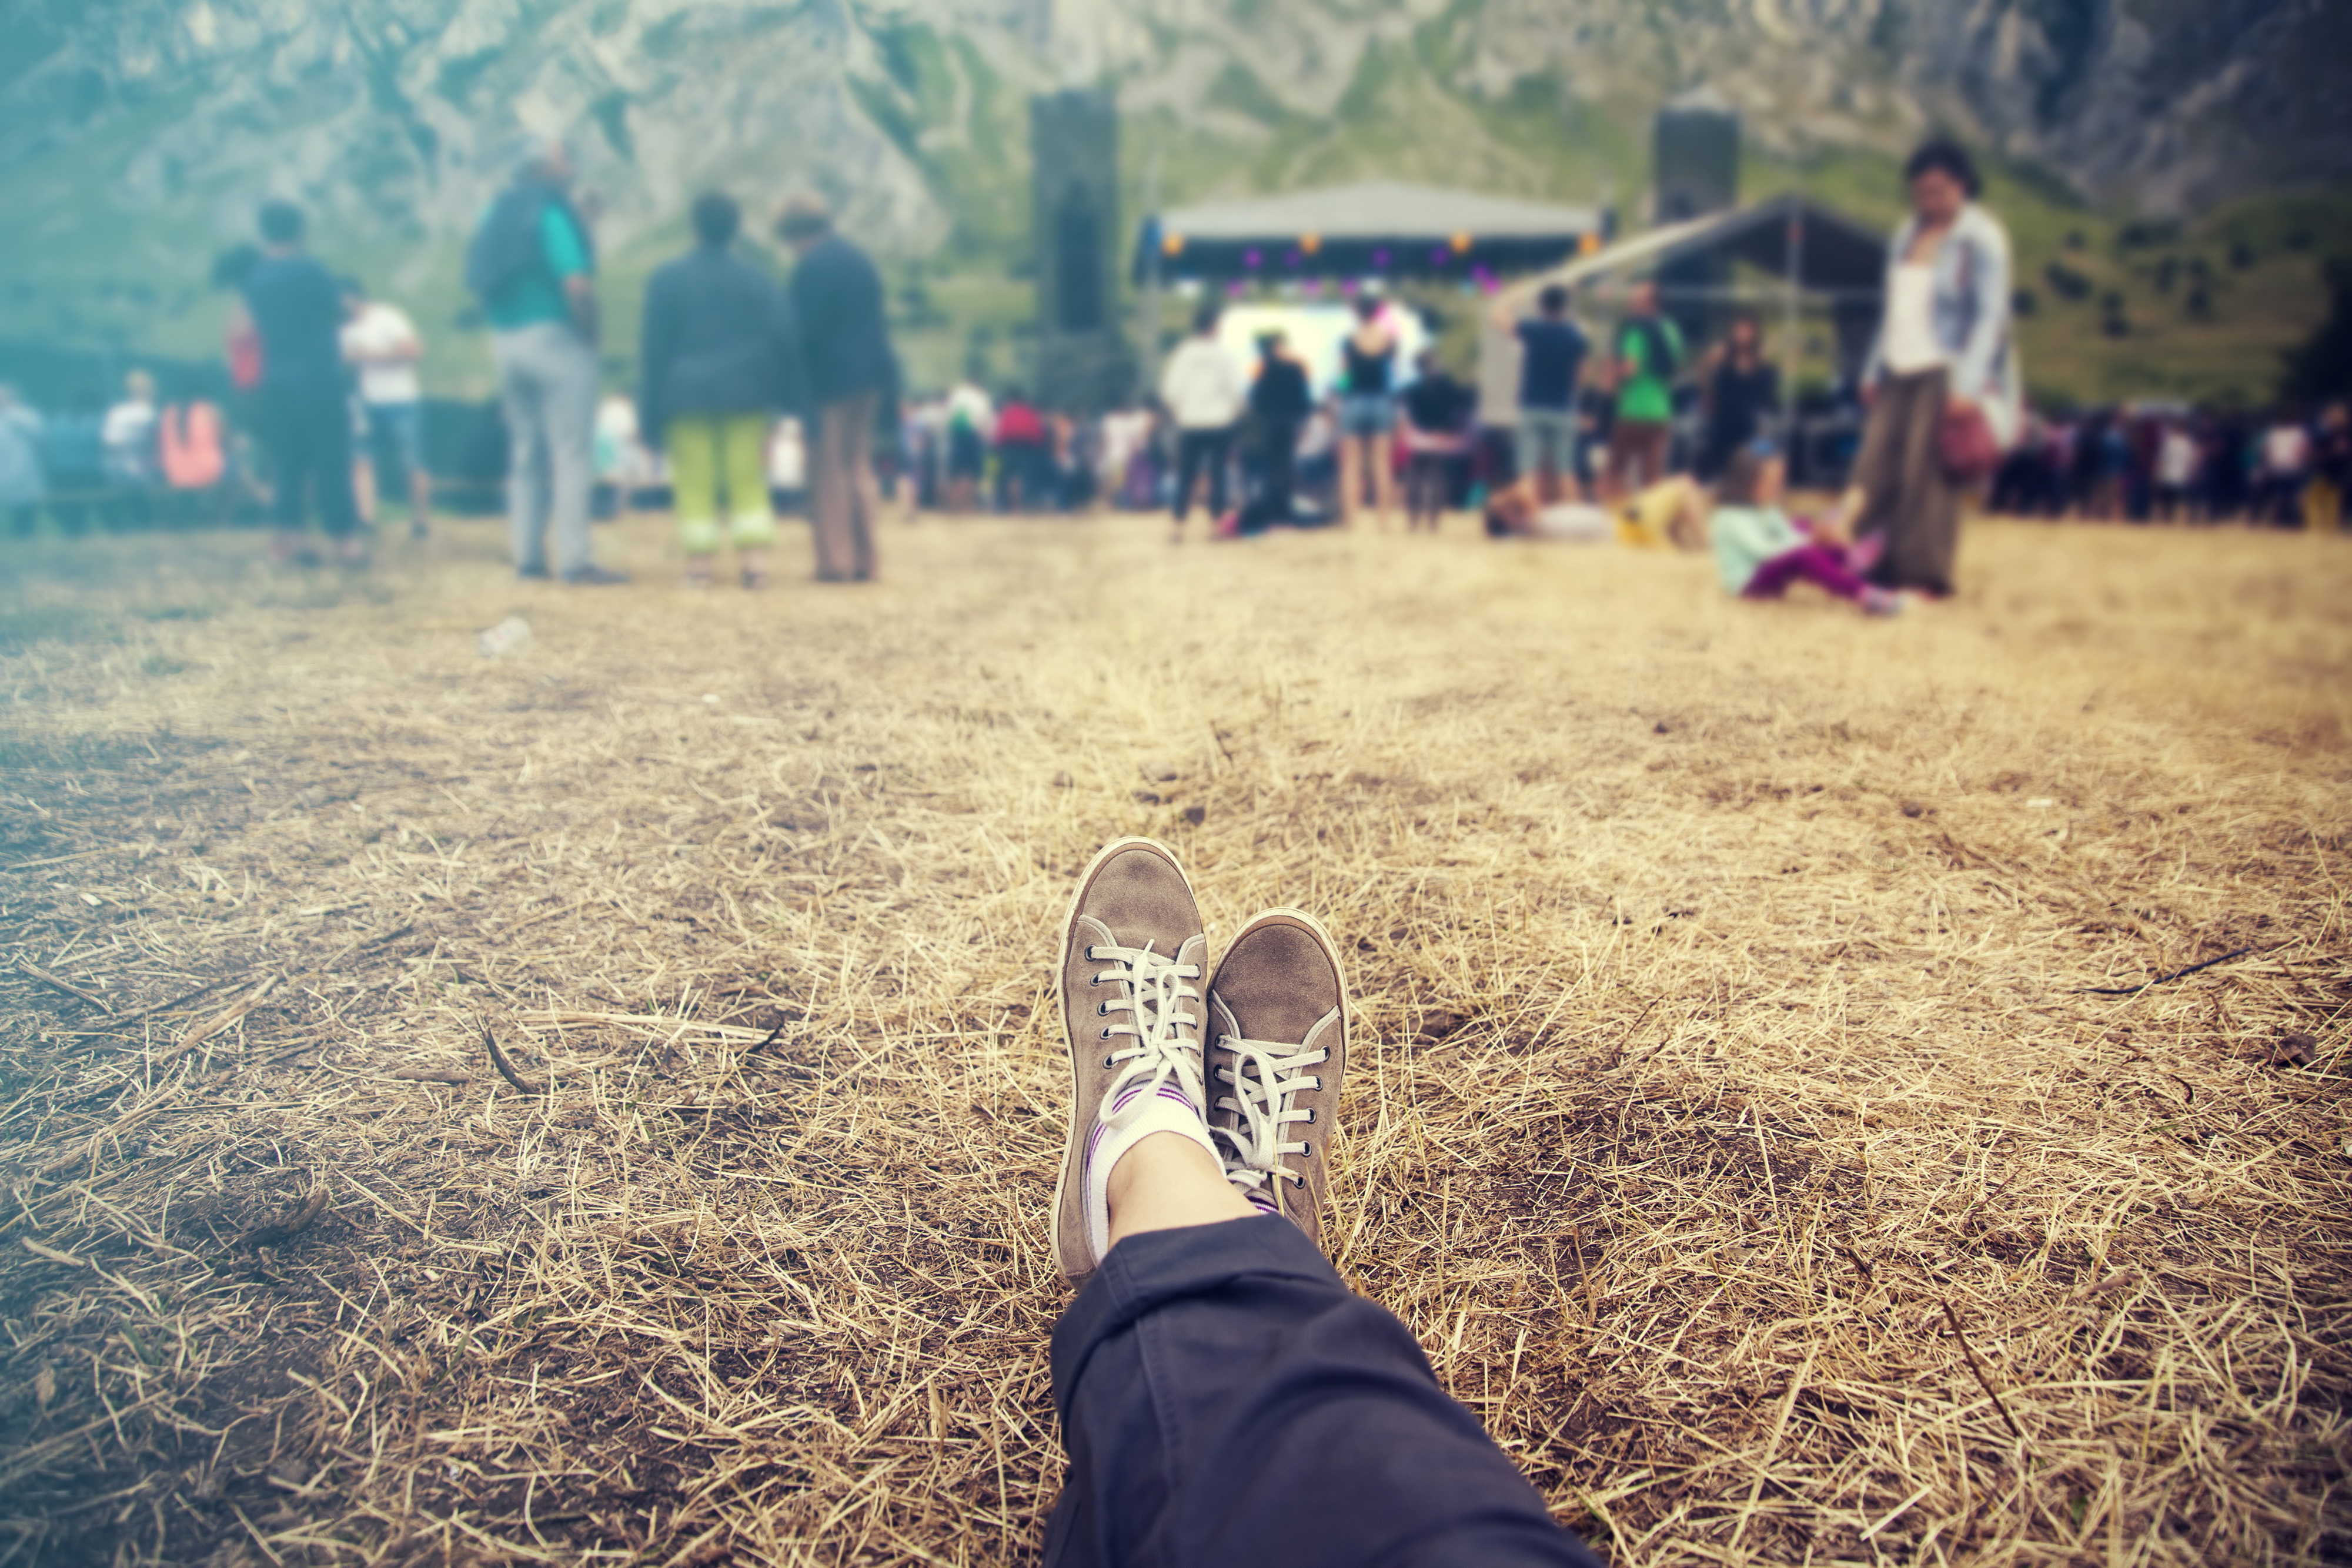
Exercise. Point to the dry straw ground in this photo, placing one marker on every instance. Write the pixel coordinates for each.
(1757, 1115)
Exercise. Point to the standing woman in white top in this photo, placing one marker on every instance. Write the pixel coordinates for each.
(1205, 390)
(1944, 346)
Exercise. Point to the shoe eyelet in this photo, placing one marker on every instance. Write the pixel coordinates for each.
(1104, 1035)
(1311, 1116)
(1106, 1063)
(1307, 1149)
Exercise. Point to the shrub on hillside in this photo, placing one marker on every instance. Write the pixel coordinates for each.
(2320, 369)
(2065, 282)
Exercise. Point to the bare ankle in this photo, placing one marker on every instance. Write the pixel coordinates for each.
(1167, 1182)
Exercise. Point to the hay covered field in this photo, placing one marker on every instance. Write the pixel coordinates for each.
(1758, 1111)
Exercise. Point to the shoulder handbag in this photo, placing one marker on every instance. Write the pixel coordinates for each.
(1964, 439)
(1965, 445)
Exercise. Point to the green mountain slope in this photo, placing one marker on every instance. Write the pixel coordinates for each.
(136, 136)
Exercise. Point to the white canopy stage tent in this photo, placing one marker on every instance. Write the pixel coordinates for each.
(1380, 228)
(1813, 251)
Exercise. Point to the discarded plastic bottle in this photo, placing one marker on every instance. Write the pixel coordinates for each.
(507, 638)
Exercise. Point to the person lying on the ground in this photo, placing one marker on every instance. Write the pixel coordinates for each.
(1516, 511)
(1224, 1395)
(1668, 515)
(1758, 551)
(1671, 513)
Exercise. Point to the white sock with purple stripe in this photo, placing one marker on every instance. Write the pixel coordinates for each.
(1137, 1114)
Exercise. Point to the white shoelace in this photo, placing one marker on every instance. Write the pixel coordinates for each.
(1263, 1101)
(1162, 1026)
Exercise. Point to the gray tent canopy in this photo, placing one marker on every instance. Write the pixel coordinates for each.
(1834, 252)
(1820, 251)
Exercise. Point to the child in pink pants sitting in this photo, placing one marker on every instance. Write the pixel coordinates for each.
(1760, 552)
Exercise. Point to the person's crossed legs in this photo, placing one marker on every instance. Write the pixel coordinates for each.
(1225, 1398)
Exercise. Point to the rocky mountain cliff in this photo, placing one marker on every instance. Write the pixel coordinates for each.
(389, 114)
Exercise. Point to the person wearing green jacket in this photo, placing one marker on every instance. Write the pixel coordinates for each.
(1648, 357)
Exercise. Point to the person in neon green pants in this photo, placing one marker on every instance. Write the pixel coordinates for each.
(706, 452)
(721, 360)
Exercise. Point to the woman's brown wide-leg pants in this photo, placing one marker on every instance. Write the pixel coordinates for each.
(1904, 493)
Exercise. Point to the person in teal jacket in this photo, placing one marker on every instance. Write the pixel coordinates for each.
(533, 266)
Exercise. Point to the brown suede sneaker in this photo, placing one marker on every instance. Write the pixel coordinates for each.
(1132, 958)
(1277, 1045)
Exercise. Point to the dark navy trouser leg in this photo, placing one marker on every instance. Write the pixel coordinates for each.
(1227, 1400)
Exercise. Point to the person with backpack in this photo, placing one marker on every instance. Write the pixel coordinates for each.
(721, 358)
(1649, 357)
(532, 264)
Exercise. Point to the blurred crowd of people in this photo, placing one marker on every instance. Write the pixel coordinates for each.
(743, 382)
(755, 391)
(137, 461)
(1601, 418)
(747, 386)
(1252, 441)
(2167, 463)
(321, 396)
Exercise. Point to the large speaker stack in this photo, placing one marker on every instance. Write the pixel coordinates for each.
(1695, 153)
(1084, 363)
